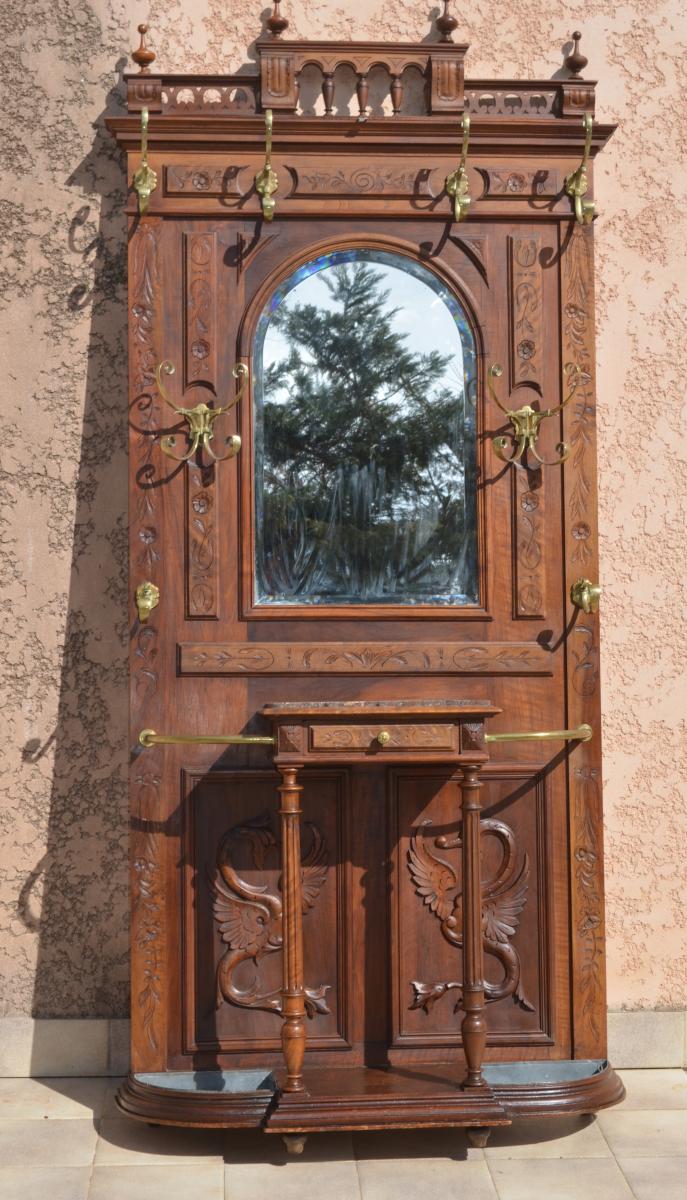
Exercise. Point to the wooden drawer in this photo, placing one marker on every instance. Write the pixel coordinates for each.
(379, 737)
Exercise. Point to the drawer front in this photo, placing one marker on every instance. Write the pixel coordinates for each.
(381, 737)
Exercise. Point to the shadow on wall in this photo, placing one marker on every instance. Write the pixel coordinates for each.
(76, 897)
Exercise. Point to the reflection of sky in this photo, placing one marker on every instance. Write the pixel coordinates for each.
(423, 318)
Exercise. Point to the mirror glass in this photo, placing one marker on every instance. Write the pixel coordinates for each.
(364, 390)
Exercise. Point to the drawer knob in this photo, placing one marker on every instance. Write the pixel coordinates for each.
(384, 737)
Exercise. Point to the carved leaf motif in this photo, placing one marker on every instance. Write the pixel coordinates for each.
(427, 994)
(434, 879)
(147, 910)
(243, 924)
(314, 872)
(500, 914)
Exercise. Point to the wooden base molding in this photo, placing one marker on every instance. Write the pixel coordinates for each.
(349, 1098)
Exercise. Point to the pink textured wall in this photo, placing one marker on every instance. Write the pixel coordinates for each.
(63, 935)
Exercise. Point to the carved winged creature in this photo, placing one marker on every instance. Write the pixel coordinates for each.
(504, 896)
(249, 917)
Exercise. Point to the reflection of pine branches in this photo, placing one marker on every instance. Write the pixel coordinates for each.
(364, 487)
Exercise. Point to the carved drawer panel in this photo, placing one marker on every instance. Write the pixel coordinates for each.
(380, 737)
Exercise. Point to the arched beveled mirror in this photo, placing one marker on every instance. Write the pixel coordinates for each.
(364, 437)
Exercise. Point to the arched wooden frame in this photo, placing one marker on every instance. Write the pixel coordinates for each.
(246, 343)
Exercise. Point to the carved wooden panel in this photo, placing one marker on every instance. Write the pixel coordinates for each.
(514, 184)
(525, 279)
(581, 554)
(396, 737)
(250, 924)
(392, 179)
(206, 179)
(516, 889)
(202, 551)
(446, 84)
(232, 898)
(200, 268)
(529, 538)
(522, 100)
(355, 658)
(148, 913)
(209, 96)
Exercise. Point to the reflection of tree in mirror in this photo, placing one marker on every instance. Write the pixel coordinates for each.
(364, 454)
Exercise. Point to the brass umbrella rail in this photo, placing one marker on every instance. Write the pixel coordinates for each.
(148, 738)
(583, 733)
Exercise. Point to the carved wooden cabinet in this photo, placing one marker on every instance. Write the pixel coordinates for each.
(354, 904)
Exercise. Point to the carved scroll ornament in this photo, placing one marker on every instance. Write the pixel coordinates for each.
(249, 916)
(504, 896)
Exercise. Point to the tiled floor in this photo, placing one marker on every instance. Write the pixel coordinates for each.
(63, 1138)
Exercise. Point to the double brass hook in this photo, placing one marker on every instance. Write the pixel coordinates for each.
(145, 178)
(526, 422)
(457, 184)
(266, 181)
(200, 419)
(577, 184)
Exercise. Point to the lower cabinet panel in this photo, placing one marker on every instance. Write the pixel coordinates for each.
(382, 914)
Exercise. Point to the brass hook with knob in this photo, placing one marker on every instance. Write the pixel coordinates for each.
(577, 184)
(526, 422)
(585, 595)
(457, 184)
(200, 419)
(266, 180)
(145, 178)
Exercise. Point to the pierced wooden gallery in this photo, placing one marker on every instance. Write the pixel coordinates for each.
(366, 826)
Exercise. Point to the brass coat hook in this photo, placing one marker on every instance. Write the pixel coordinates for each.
(526, 422)
(145, 178)
(576, 183)
(266, 181)
(147, 598)
(585, 595)
(457, 184)
(200, 419)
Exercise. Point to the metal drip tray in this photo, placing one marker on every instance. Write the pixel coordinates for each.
(230, 1083)
(532, 1073)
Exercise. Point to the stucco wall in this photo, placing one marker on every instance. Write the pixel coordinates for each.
(63, 939)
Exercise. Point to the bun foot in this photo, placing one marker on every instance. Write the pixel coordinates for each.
(294, 1142)
(478, 1135)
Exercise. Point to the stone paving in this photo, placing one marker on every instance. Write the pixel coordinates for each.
(63, 1139)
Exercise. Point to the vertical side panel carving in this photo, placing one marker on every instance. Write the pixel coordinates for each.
(588, 987)
(148, 934)
(525, 310)
(529, 539)
(526, 356)
(202, 563)
(200, 267)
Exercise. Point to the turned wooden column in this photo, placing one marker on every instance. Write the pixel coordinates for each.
(474, 1027)
(293, 994)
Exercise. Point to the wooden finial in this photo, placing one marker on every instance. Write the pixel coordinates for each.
(276, 23)
(576, 62)
(143, 56)
(446, 24)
